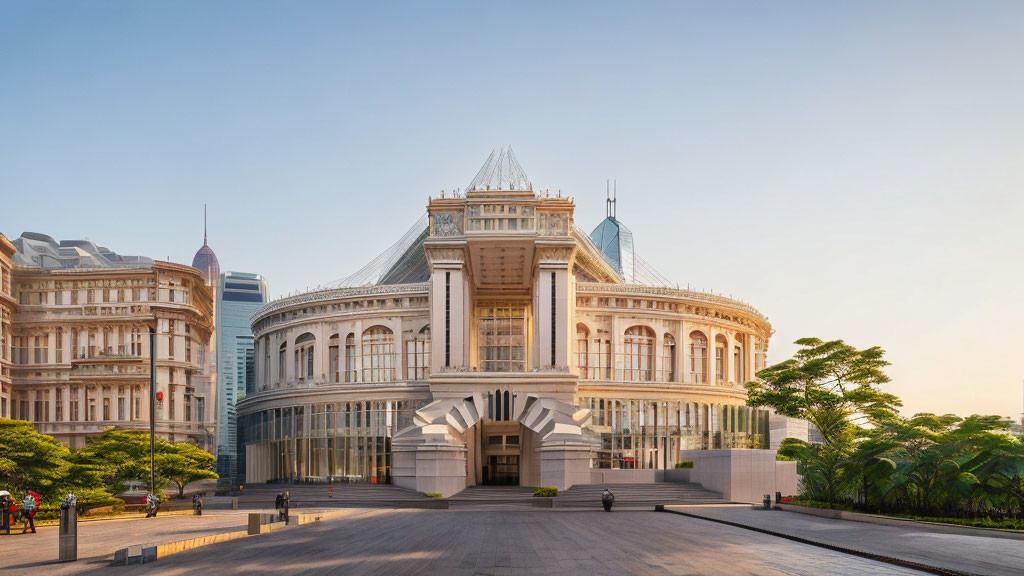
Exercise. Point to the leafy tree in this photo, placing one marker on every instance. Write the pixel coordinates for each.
(184, 463)
(120, 456)
(835, 387)
(30, 460)
(33, 461)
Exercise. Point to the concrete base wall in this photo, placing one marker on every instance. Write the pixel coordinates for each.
(564, 466)
(742, 475)
(431, 468)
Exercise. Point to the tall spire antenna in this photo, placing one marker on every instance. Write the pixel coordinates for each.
(204, 224)
(615, 198)
(607, 198)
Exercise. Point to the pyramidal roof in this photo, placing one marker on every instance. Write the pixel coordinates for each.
(501, 171)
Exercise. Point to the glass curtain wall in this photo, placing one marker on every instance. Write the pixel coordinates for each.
(642, 434)
(350, 441)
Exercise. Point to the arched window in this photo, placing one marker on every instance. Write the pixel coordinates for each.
(668, 358)
(698, 357)
(721, 349)
(281, 362)
(350, 357)
(737, 363)
(417, 355)
(304, 346)
(378, 354)
(582, 340)
(265, 375)
(639, 361)
(334, 349)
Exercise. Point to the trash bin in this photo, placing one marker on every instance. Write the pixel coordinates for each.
(68, 541)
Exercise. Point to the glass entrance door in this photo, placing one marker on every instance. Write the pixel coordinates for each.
(503, 471)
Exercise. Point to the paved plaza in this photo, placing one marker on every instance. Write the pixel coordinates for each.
(974, 554)
(97, 540)
(537, 542)
(479, 541)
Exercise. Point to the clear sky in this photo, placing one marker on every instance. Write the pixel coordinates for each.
(854, 170)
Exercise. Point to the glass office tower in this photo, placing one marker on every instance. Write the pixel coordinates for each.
(239, 295)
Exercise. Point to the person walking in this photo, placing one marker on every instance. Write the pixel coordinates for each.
(28, 512)
(279, 506)
(152, 505)
(8, 511)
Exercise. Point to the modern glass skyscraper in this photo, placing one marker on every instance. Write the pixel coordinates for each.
(239, 295)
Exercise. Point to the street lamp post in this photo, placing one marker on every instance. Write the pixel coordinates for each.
(152, 410)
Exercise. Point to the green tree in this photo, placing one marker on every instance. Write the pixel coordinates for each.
(120, 456)
(30, 460)
(184, 463)
(33, 461)
(835, 387)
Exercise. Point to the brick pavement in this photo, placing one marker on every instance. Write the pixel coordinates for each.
(976, 554)
(540, 542)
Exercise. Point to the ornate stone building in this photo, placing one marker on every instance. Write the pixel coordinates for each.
(80, 345)
(497, 343)
(8, 306)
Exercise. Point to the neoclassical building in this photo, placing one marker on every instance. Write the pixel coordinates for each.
(497, 343)
(79, 341)
(7, 307)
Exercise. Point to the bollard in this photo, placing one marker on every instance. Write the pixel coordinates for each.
(68, 540)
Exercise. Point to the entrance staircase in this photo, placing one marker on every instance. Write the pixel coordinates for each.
(493, 498)
(261, 496)
(637, 495)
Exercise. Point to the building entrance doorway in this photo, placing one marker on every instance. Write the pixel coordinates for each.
(502, 470)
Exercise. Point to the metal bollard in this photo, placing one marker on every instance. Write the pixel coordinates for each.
(68, 540)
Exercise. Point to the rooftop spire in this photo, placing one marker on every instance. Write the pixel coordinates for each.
(204, 224)
(501, 172)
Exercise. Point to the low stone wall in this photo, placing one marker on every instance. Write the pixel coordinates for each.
(742, 475)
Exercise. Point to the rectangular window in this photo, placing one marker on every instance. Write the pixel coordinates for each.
(120, 408)
(501, 333)
(58, 405)
(59, 345)
(40, 349)
(58, 297)
(106, 409)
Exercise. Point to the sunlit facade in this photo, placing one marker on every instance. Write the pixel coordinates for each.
(497, 343)
(79, 342)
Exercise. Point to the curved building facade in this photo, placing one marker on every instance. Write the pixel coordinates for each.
(518, 351)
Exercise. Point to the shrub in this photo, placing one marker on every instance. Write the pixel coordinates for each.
(434, 495)
(546, 491)
(684, 464)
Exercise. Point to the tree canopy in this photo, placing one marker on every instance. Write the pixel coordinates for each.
(98, 471)
(875, 459)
